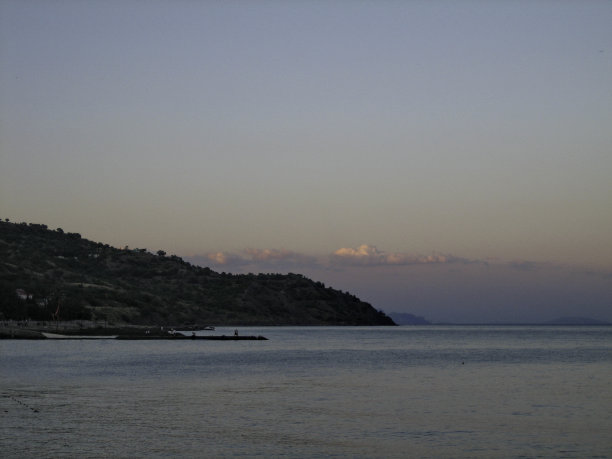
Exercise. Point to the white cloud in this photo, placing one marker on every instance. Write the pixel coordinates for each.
(363, 252)
(218, 257)
(369, 255)
(221, 258)
(364, 255)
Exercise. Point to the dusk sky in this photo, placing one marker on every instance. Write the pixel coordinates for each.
(450, 159)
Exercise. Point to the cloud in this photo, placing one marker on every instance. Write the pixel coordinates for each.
(533, 266)
(523, 265)
(275, 255)
(369, 255)
(364, 255)
(223, 258)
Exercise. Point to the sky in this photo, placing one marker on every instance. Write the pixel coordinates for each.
(450, 159)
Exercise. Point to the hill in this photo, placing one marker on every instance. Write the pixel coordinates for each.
(402, 318)
(44, 272)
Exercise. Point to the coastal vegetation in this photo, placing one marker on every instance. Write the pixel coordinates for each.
(48, 275)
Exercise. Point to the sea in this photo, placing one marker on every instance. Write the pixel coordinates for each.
(314, 392)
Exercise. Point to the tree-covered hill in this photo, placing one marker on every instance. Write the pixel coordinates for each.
(47, 274)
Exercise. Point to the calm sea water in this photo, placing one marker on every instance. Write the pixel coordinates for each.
(423, 392)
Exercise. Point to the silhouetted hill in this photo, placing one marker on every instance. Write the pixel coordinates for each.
(42, 268)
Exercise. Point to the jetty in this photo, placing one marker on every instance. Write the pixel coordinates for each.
(197, 337)
(124, 333)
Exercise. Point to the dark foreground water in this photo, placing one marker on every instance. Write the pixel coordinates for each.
(314, 392)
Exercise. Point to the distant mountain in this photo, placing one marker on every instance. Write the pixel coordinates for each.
(577, 321)
(47, 274)
(402, 318)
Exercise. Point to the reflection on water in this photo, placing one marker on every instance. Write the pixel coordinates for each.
(314, 392)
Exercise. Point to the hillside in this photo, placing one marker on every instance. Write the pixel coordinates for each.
(43, 272)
